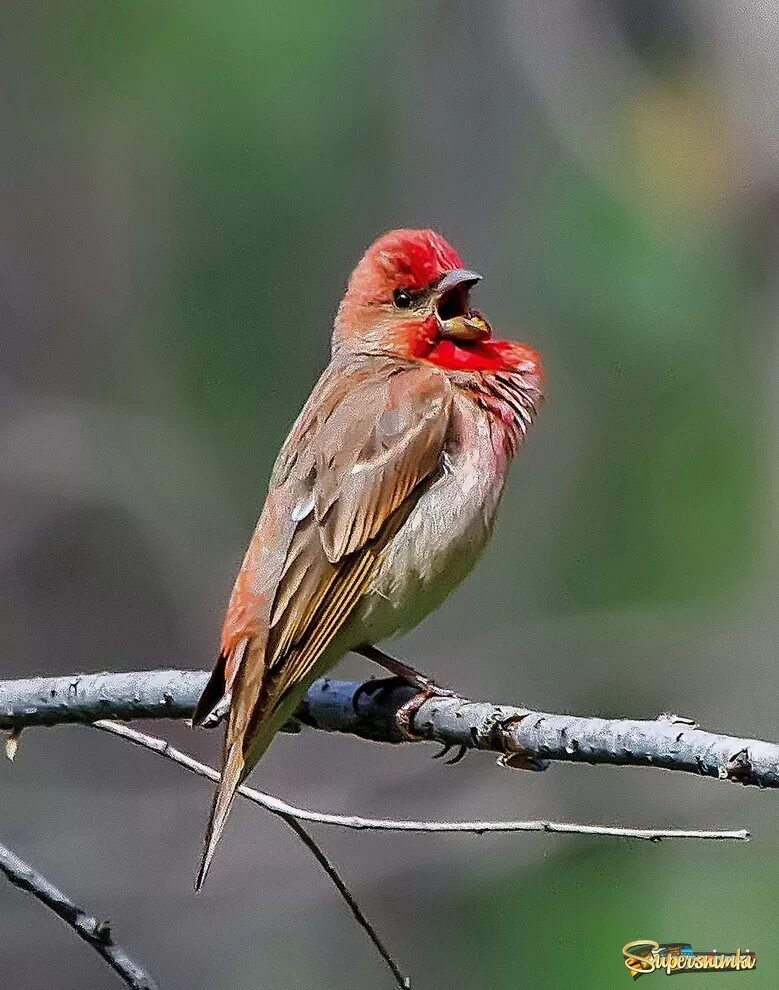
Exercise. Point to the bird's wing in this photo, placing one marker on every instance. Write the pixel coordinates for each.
(356, 462)
(363, 448)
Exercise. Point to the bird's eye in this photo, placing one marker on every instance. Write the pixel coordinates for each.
(402, 298)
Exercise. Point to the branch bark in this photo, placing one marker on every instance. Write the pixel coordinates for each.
(522, 738)
(94, 932)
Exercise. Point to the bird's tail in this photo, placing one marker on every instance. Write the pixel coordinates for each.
(238, 764)
(233, 774)
(255, 718)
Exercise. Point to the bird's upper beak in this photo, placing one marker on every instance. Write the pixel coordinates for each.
(456, 319)
(458, 277)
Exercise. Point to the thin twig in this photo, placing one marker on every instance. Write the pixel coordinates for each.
(96, 933)
(525, 738)
(278, 807)
(286, 812)
(401, 979)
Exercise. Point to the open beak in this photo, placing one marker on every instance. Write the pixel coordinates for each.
(456, 319)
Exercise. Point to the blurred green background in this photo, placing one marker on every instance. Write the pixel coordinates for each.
(185, 188)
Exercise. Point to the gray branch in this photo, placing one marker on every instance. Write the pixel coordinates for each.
(94, 932)
(522, 738)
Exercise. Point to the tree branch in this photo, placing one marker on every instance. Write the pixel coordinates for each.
(94, 932)
(522, 738)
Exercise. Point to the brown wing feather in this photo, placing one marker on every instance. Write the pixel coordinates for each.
(364, 460)
(364, 446)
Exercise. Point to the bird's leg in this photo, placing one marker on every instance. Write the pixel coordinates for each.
(401, 670)
(402, 674)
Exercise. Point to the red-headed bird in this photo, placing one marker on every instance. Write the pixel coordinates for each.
(383, 495)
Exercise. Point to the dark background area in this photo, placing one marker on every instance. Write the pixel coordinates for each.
(184, 191)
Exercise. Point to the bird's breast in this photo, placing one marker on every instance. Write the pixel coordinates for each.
(446, 531)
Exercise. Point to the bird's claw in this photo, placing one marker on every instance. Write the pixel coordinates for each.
(459, 755)
(462, 749)
(406, 713)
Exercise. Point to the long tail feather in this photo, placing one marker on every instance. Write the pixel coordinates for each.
(232, 775)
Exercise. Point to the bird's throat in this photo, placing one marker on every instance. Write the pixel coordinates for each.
(484, 355)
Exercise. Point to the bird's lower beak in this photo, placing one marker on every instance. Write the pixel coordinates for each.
(471, 327)
(456, 320)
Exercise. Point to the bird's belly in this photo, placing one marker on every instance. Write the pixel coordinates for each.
(436, 547)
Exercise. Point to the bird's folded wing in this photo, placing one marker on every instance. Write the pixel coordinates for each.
(365, 446)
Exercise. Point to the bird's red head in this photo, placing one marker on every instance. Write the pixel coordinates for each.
(409, 297)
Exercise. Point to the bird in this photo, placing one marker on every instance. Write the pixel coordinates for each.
(382, 498)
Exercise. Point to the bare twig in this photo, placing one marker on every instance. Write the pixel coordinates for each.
(284, 811)
(524, 738)
(288, 811)
(96, 933)
(401, 979)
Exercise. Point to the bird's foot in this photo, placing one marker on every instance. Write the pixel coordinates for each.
(405, 715)
(403, 675)
(425, 690)
(409, 678)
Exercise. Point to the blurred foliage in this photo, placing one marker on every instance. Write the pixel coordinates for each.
(662, 509)
(567, 919)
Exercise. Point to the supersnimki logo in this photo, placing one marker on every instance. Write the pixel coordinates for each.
(645, 956)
